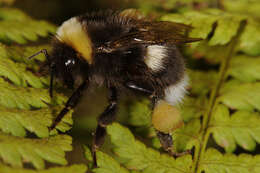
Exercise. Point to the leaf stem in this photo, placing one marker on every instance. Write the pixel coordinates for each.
(213, 96)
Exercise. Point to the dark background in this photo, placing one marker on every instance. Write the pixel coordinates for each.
(58, 11)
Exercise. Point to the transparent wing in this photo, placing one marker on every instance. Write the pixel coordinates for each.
(154, 33)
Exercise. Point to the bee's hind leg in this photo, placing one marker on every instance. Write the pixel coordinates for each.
(106, 118)
(165, 138)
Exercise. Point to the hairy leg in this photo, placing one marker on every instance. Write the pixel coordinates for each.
(71, 103)
(165, 139)
(106, 118)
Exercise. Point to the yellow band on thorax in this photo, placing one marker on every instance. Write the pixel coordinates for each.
(72, 33)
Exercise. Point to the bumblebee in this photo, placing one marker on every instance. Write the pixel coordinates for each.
(123, 52)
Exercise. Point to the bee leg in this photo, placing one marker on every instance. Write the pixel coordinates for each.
(106, 118)
(166, 141)
(145, 90)
(52, 71)
(71, 103)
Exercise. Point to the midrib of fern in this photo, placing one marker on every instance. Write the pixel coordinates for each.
(200, 149)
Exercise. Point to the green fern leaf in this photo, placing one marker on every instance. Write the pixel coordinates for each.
(18, 27)
(224, 35)
(15, 150)
(138, 157)
(241, 96)
(245, 68)
(242, 127)
(139, 113)
(251, 7)
(21, 53)
(250, 39)
(226, 27)
(24, 102)
(107, 164)
(16, 66)
(19, 75)
(65, 169)
(202, 82)
(215, 162)
(12, 14)
(193, 107)
(203, 24)
(187, 137)
(16, 121)
(25, 98)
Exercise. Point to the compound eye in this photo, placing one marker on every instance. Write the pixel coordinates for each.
(70, 62)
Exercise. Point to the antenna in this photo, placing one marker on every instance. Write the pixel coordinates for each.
(44, 51)
(52, 68)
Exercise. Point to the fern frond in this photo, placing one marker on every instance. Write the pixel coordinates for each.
(215, 162)
(242, 128)
(25, 104)
(64, 169)
(25, 98)
(16, 121)
(107, 164)
(193, 107)
(21, 53)
(249, 7)
(245, 68)
(187, 137)
(241, 96)
(135, 155)
(18, 27)
(223, 102)
(16, 150)
(203, 24)
(139, 113)
(225, 34)
(218, 28)
(250, 39)
(200, 82)
(12, 14)
(18, 74)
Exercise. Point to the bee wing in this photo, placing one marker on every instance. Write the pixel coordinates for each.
(154, 33)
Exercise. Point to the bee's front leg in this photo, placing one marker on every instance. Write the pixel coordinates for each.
(71, 103)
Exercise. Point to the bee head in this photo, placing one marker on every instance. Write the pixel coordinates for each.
(72, 53)
(67, 65)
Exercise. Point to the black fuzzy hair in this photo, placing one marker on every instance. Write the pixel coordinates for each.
(120, 66)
